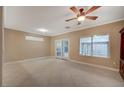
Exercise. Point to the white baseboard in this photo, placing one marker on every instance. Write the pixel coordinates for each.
(94, 65)
(27, 60)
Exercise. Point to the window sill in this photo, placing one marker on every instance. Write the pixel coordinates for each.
(95, 56)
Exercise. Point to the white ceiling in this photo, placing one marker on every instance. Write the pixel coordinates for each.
(53, 18)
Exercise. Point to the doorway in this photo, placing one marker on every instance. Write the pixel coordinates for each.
(62, 48)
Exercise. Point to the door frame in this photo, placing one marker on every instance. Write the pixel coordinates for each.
(62, 49)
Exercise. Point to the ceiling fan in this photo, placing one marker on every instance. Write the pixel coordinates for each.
(81, 15)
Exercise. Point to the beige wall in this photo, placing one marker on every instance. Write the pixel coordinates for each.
(17, 48)
(1, 32)
(74, 37)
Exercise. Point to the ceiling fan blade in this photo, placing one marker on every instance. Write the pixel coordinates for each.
(70, 19)
(92, 9)
(92, 17)
(74, 9)
(81, 11)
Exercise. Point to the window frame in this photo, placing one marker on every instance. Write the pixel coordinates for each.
(80, 45)
(92, 47)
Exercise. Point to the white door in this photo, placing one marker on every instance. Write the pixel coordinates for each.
(65, 48)
(62, 48)
(58, 45)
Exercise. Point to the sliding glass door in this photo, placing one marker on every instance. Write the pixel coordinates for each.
(58, 44)
(62, 48)
(65, 48)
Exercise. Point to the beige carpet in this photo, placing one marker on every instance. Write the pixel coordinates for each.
(58, 73)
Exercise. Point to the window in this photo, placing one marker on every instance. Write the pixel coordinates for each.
(85, 46)
(33, 38)
(101, 46)
(95, 46)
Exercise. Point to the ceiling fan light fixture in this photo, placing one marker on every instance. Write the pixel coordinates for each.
(81, 18)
